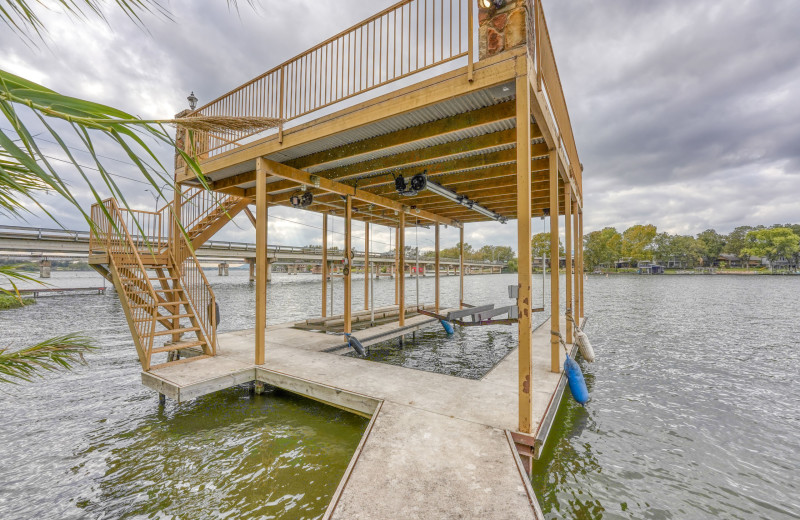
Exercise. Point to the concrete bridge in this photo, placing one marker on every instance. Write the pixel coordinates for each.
(74, 244)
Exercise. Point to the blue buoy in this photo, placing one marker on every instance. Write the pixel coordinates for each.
(448, 327)
(577, 385)
(355, 345)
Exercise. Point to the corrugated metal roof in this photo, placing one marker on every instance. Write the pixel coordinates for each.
(447, 108)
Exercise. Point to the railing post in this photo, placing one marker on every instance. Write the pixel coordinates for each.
(470, 42)
(280, 107)
(537, 8)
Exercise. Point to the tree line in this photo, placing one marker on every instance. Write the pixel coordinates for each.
(643, 242)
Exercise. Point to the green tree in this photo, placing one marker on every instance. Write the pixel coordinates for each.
(663, 247)
(540, 246)
(736, 242)
(773, 244)
(685, 250)
(710, 245)
(637, 242)
(601, 247)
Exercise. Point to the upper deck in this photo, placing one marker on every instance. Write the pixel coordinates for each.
(376, 101)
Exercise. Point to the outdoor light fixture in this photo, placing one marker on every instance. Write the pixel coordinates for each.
(301, 199)
(420, 182)
(488, 4)
(192, 100)
(315, 181)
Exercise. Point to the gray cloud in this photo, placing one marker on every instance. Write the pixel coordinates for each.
(686, 115)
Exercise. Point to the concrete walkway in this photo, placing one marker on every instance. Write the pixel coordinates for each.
(437, 446)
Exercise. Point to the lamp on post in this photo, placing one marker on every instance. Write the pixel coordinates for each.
(192, 100)
(489, 4)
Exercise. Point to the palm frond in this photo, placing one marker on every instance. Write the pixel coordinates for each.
(61, 352)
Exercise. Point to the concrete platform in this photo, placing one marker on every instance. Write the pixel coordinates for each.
(437, 446)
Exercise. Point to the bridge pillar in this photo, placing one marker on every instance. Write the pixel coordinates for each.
(252, 264)
(222, 269)
(44, 268)
(269, 270)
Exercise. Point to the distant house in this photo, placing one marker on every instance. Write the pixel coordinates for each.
(732, 260)
(648, 267)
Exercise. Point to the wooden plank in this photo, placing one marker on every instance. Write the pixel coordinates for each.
(261, 262)
(524, 282)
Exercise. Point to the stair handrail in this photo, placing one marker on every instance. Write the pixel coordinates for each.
(122, 231)
(205, 312)
(206, 201)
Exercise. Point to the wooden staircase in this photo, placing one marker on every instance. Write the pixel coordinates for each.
(167, 300)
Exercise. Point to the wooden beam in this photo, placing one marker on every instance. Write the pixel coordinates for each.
(287, 172)
(461, 269)
(348, 274)
(555, 357)
(580, 241)
(568, 256)
(261, 261)
(401, 277)
(325, 265)
(524, 271)
(436, 264)
(366, 266)
(576, 307)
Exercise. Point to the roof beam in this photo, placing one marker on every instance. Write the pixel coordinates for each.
(287, 172)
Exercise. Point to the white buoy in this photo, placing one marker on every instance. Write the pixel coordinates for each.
(585, 346)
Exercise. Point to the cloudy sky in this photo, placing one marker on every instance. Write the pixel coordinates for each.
(686, 114)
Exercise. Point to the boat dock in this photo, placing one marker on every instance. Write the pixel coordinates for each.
(478, 132)
(436, 446)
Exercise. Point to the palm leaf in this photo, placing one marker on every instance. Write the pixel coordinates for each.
(61, 352)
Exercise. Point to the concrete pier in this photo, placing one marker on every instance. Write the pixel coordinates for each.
(437, 446)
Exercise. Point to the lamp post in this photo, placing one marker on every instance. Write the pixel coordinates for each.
(192, 100)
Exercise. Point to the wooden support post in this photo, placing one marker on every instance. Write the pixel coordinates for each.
(580, 238)
(366, 266)
(325, 265)
(524, 273)
(348, 265)
(401, 278)
(568, 255)
(396, 262)
(461, 269)
(555, 357)
(436, 264)
(261, 260)
(578, 274)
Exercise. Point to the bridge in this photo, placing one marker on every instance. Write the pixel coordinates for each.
(46, 244)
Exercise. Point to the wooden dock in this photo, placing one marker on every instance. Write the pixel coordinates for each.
(437, 446)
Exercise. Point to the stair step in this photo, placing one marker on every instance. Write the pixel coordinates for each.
(179, 361)
(175, 289)
(177, 346)
(166, 317)
(160, 304)
(175, 331)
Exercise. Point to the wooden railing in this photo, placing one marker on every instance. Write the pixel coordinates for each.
(198, 290)
(123, 251)
(547, 77)
(406, 38)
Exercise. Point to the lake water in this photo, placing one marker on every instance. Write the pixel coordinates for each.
(694, 411)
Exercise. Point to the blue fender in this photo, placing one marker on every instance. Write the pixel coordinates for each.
(448, 327)
(577, 385)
